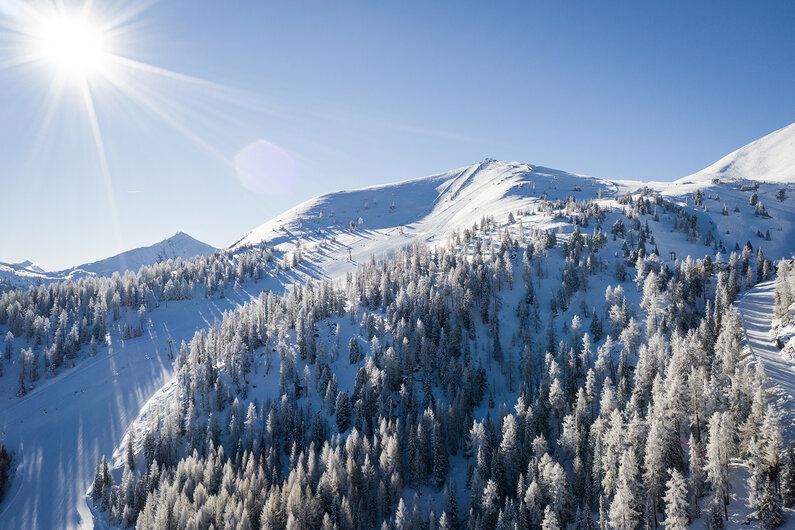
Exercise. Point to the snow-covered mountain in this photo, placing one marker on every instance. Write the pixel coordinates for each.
(489, 259)
(335, 231)
(768, 159)
(180, 245)
(339, 230)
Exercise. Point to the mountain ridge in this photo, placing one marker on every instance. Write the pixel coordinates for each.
(180, 245)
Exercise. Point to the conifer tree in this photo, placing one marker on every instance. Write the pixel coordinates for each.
(550, 521)
(788, 477)
(676, 502)
(343, 411)
(770, 513)
(625, 511)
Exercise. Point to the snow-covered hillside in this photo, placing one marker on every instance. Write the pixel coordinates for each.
(769, 159)
(20, 275)
(180, 245)
(375, 221)
(505, 262)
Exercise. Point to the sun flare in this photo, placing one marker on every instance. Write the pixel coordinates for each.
(72, 45)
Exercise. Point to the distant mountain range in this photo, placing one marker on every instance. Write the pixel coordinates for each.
(180, 245)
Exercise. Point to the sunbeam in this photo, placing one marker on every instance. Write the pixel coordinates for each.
(103, 159)
(83, 49)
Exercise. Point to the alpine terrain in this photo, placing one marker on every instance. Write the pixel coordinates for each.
(503, 345)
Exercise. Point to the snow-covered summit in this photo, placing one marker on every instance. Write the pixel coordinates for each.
(437, 203)
(768, 159)
(180, 245)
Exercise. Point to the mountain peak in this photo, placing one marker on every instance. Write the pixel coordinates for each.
(768, 159)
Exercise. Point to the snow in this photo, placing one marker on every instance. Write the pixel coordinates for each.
(768, 159)
(425, 209)
(180, 245)
(756, 308)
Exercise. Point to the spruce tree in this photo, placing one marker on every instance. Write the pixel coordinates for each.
(550, 521)
(343, 411)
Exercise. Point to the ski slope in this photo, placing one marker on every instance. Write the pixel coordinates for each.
(756, 308)
(392, 216)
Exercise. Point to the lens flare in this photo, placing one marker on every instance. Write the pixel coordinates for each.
(267, 169)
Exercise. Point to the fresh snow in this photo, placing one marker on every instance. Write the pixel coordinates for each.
(425, 209)
(60, 428)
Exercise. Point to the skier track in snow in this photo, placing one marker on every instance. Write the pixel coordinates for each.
(756, 309)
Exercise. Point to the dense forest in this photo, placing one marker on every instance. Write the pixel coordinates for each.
(512, 377)
(623, 416)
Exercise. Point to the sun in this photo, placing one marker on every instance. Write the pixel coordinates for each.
(72, 45)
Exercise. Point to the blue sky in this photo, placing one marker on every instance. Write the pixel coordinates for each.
(371, 92)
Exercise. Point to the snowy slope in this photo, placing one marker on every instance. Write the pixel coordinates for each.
(763, 167)
(757, 308)
(768, 159)
(59, 429)
(391, 216)
(430, 205)
(20, 275)
(741, 224)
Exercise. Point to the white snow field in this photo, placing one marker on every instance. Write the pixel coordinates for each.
(58, 430)
(391, 216)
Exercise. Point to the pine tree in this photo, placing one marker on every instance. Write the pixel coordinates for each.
(21, 389)
(716, 521)
(490, 504)
(354, 351)
(130, 452)
(343, 411)
(450, 506)
(550, 521)
(676, 502)
(441, 464)
(9, 345)
(788, 477)
(5, 466)
(98, 487)
(625, 512)
(698, 477)
(719, 450)
(770, 513)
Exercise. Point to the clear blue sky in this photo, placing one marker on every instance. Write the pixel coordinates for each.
(372, 92)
